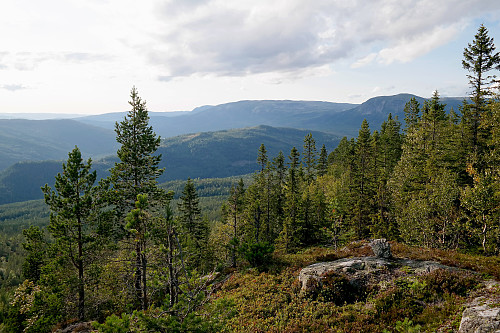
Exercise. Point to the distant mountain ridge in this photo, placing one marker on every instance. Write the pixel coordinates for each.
(233, 115)
(337, 118)
(35, 140)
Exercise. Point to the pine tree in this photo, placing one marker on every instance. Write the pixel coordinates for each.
(71, 225)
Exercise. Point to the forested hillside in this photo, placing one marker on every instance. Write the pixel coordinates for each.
(202, 155)
(37, 140)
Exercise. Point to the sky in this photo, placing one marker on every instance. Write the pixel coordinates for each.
(84, 56)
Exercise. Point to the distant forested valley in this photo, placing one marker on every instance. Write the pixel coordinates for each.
(200, 221)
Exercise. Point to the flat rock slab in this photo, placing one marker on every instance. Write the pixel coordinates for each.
(365, 268)
(482, 315)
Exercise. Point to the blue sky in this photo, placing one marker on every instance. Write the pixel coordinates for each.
(84, 56)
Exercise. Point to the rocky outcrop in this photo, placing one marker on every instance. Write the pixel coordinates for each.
(365, 270)
(482, 315)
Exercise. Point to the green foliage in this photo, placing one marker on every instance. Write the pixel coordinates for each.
(114, 324)
(257, 254)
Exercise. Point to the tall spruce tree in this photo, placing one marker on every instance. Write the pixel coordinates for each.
(362, 184)
(136, 173)
(309, 157)
(412, 116)
(292, 228)
(479, 59)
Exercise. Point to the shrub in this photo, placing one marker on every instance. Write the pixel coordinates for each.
(258, 254)
(444, 281)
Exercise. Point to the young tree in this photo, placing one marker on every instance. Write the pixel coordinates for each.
(233, 213)
(138, 224)
(194, 227)
(71, 225)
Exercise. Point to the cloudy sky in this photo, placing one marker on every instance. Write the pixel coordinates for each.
(84, 56)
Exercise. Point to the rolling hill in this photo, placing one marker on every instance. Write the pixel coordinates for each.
(37, 140)
(201, 155)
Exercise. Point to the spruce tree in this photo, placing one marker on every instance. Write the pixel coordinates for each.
(195, 228)
(291, 232)
(136, 173)
(412, 116)
(361, 182)
(233, 213)
(479, 59)
(309, 157)
(322, 165)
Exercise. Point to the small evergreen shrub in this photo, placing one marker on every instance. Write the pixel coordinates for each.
(258, 254)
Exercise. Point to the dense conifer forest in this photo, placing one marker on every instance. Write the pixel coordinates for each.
(124, 254)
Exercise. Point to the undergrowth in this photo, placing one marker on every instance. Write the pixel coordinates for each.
(271, 301)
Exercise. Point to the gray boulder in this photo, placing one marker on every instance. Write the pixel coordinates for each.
(381, 248)
(482, 315)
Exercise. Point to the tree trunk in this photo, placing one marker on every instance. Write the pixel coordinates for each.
(81, 287)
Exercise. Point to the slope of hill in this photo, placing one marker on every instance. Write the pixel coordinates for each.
(375, 111)
(337, 118)
(36, 140)
(231, 152)
(202, 155)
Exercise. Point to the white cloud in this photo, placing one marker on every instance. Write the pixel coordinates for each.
(238, 38)
(365, 60)
(13, 87)
(410, 48)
